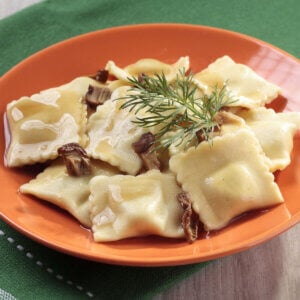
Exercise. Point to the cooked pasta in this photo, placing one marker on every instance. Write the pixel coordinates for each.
(115, 175)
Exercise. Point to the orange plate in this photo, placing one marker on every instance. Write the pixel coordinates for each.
(86, 54)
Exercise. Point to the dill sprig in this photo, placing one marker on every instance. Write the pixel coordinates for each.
(176, 111)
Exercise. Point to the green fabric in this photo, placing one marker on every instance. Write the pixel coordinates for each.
(274, 21)
(23, 276)
(31, 271)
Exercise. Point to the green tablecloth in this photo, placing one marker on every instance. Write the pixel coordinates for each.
(31, 271)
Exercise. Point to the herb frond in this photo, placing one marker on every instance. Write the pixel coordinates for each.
(179, 114)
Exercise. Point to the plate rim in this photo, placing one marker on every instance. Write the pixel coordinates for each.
(131, 26)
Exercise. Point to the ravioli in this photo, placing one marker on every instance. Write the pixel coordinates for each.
(275, 132)
(227, 178)
(68, 192)
(149, 66)
(79, 85)
(111, 134)
(40, 124)
(248, 88)
(223, 178)
(125, 206)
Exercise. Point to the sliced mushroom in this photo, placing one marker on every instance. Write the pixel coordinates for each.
(75, 159)
(144, 148)
(225, 117)
(221, 117)
(190, 219)
(201, 137)
(150, 160)
(101, 76)
(97, 95)
(144, 143)
(141, 77)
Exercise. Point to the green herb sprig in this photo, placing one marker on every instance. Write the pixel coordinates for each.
(174, 109)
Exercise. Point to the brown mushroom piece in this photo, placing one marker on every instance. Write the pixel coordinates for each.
(97, 95)
(190, 219)
(225, 117)
(75, 159)
(141, 77)
(101, 75)
(221, 117)
(144, 148)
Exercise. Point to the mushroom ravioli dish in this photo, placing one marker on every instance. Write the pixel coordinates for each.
(154, 148)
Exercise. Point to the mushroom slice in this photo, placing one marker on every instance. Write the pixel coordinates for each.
(144, 148)
(75, 159)
(190, 219)
(97, 95)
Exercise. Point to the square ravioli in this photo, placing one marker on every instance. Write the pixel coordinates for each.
(275, 132)
(111, 134)
(247, 87)
(150, 67)
(125, 206)
(70, 193)
(227, 178)
(40, 124)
